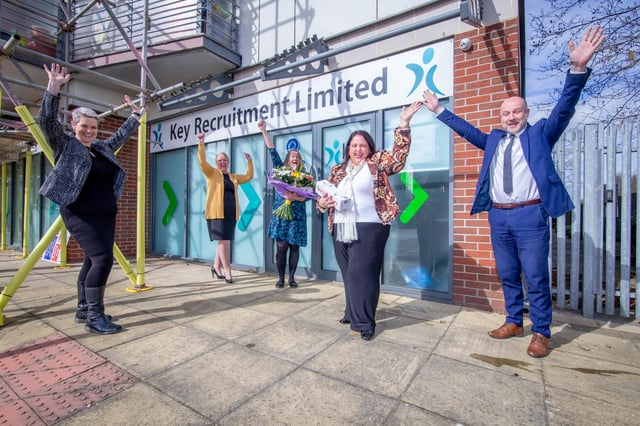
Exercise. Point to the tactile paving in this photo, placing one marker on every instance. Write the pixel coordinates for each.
(53, 377)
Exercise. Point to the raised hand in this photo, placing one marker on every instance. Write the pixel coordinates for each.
(132, 106)
(407, 113)
(581, 55)
(200, 137)
(430, 100)
(57, 77)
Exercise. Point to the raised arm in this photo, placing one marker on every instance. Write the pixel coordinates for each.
(262, 125)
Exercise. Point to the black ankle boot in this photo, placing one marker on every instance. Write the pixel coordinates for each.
(97, 322)
(81, 311)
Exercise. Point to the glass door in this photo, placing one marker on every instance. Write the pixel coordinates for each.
(333, 140)
(302, 141)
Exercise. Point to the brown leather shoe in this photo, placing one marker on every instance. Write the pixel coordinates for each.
(538, 346)
(506, 330)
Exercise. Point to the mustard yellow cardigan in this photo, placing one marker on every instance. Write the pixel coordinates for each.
(214, 206)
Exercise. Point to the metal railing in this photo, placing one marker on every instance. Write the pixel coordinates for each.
(39, 23)
(169, 20)
(595, 246)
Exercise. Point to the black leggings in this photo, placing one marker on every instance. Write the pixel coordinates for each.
(281, 258)
(96, 237)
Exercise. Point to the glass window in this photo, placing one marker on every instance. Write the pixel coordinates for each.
(198, 242)
(418, 251)
(167, 209)
(248, 247)
(50, 210)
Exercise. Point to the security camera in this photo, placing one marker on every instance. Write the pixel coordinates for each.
(465, 44)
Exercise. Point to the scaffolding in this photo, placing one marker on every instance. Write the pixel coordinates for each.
(29, 126)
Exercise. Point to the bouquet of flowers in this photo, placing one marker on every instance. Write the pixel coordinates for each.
(294, 180)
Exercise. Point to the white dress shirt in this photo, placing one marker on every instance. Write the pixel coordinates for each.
(524, 186)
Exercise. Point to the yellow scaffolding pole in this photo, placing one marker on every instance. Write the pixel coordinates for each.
(141, 207)
(27, 196)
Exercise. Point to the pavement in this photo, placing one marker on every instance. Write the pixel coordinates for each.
(195, 350)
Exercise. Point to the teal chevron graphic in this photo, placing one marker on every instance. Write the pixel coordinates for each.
(173, 203)
(254, 202)
(419, 197)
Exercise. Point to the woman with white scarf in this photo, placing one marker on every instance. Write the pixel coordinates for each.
(360, 216)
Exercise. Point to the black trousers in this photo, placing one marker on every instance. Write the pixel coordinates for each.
(95, 236)
(360, 263)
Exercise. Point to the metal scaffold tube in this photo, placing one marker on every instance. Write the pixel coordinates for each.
(71, 67)
(140, 284)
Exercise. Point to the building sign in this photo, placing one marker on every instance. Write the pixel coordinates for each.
(384, 83)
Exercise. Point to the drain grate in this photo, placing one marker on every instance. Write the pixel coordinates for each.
(53, 377)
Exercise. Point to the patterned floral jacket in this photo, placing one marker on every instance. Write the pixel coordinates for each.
(381, 164)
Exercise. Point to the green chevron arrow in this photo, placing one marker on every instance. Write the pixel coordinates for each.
(419, 197)
(173, 203)
(254, 203)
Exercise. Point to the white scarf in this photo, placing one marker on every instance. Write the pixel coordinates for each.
(345, 226)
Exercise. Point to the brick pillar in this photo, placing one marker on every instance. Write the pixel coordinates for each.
(483, 78)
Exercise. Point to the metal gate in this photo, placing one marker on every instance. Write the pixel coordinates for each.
(595, 246)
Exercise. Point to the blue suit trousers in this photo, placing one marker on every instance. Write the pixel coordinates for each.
(520, 239)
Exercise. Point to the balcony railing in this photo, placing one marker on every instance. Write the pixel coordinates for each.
(96, 34)
(169, 20)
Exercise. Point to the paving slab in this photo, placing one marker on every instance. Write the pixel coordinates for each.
(378, 366)
(225, 378)
(292, 401)
(475, 395)
(140, 405)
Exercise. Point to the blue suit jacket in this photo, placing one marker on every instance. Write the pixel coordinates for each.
(537, 143)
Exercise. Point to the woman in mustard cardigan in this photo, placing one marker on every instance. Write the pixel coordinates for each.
(221, 209)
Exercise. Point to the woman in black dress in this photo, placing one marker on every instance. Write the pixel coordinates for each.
(221, 208)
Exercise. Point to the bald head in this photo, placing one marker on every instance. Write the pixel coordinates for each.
(514, 114)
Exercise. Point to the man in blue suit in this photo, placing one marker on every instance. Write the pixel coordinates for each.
(520, 188)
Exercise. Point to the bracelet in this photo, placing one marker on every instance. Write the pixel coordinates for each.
(137, 114)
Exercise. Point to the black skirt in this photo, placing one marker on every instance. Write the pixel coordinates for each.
(221, 229)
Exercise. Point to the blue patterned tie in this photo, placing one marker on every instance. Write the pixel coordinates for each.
(507, 173)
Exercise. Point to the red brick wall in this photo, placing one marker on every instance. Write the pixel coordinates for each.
(484, 77)
(126, 221)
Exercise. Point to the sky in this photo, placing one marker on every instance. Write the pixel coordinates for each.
(539, 86)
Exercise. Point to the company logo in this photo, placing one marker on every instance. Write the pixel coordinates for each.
(420, 75)
(292, 144)
(157, 136)
(333, 154)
